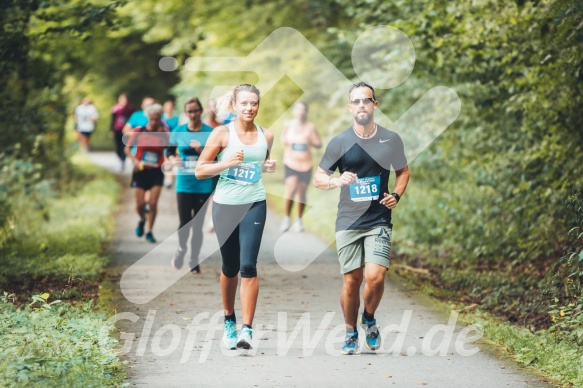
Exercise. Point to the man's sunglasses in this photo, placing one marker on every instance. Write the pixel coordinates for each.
(365, 101)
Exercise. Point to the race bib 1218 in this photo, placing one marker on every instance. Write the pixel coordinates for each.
(365, 189)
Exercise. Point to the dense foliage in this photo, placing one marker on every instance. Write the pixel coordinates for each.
(49, 342)
(506, 167)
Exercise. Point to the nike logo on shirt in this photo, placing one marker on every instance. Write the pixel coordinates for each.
(384, 141)
(258, 223)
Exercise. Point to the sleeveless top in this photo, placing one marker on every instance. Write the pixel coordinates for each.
(242, 184)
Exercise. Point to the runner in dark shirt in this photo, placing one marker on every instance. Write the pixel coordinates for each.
(364, 154)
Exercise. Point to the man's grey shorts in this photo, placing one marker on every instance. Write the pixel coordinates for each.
(356, 247)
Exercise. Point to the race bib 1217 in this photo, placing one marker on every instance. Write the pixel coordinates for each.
(244, 173)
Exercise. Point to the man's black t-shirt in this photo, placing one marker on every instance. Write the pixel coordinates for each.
(371, 160)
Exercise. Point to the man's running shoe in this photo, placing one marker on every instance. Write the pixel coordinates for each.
(351, 345)
(178, 259)
(244, 340)
(194, 268)
(140, 228)
(150, 237)
(373, 337)
(230, 335)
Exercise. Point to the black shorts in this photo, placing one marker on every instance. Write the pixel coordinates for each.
(86, 134)
(147, 178)
(304, 176)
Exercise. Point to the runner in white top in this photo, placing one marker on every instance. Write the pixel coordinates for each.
(85, 117)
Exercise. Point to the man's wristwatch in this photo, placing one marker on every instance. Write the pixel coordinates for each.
(397, 196)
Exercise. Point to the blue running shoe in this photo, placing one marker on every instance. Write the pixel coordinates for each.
(373, 337)
(351, 345)
(140, 228)
(150, 237)
(230, 335)
(244, 340)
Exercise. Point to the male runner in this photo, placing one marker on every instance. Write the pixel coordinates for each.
(364, 154)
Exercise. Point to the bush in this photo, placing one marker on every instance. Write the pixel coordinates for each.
(565, 282)
(59, 234)
(43, 343)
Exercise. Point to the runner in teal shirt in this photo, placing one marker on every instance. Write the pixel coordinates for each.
(192, 194)
(168, 116)
(139, 118)
(181, 139)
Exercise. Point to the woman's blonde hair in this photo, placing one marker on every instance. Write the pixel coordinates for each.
(226, 103)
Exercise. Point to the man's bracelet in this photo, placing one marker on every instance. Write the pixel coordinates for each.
(397, 196)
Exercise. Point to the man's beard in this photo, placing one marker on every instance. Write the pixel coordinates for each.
(363, 120)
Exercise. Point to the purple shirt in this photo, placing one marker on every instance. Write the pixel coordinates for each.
(121, 114)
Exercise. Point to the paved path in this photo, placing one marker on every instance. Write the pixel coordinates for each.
(175, 340)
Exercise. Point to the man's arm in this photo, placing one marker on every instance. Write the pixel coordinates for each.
(323, 177)
(324, 180)
(401, 181)
(400, 185)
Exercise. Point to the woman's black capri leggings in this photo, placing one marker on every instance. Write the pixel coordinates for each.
(239, 229)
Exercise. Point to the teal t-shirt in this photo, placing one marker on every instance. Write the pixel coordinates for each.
(186, 181)
(171, 122)
(138, 119)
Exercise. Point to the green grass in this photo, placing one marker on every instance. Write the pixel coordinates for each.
(61, 250)
(540, 351)
(72, 241)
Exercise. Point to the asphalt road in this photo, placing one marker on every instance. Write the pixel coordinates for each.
(174, 339)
